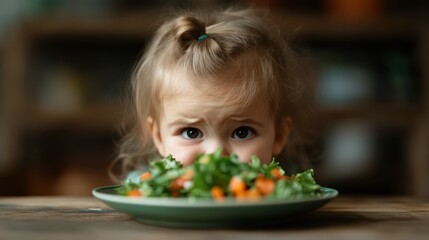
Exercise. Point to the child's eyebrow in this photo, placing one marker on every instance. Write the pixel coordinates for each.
(245, 120)
(184, 121)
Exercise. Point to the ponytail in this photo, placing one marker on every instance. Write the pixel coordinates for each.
(204, 54)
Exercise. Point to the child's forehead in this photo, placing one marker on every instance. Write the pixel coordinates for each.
(242, 70)
(225, 87)
(185, 108)
(240, 83)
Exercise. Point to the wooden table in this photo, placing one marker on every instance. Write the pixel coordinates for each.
(87, 218)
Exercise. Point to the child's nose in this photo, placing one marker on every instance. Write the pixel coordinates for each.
(213, 146)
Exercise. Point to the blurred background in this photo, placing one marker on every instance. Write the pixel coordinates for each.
(64, 65)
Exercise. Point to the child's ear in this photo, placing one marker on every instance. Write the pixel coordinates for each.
(153, 129)
(282, 135)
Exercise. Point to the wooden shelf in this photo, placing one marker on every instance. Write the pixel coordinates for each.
(388, 115)
(304, 25)
(143, 24)
(92, 118)
(131, 26)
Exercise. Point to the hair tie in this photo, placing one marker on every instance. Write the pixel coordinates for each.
(202, 37)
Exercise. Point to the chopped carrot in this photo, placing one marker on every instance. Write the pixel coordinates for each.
(264, 185)
(253, 193)
(217, 193)
(134, 193)
(285, 177)
(177, 183)
(145, 176)
(276, 173)
(188, 174)
(236, 185)
(240, 195)
(250, 194)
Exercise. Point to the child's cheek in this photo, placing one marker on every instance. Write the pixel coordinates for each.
(182, 153)
(186, 158)
(262, 152)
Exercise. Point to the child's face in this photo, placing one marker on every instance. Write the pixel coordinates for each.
(192, 123)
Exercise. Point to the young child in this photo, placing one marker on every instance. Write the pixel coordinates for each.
(222, 81)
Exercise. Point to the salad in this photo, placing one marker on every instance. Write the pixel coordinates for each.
(219, 177)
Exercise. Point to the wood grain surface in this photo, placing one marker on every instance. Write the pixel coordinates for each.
(87, 218)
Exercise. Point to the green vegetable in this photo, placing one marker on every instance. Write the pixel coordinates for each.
(169, 178)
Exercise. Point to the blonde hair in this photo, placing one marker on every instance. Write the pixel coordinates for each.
(239, 43)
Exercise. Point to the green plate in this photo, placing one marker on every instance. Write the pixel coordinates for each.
(197, 213)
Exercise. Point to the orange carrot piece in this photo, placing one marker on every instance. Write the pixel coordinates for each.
(253, 193)
(145, 176)
(240, 195)
(285, 177)
(265, 185)
(177, 183)
(275, 172)
(236, 185)
(250, 194)
(217, 193)
(134, 193)
(188, 174)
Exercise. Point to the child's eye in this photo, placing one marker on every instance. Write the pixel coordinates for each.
(243, 133)
(191, 133)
